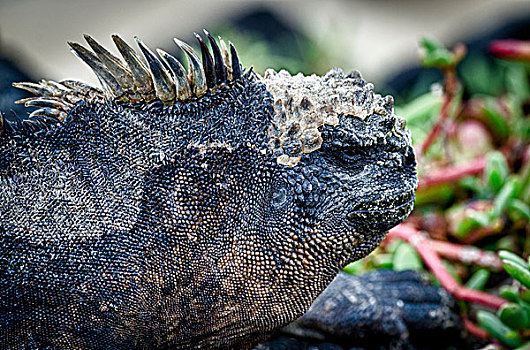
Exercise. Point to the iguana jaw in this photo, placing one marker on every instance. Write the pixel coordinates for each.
(397, 211)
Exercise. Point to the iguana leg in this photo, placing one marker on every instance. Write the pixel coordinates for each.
(383, 308)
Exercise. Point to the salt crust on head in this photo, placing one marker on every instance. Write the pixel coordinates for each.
(304, 103)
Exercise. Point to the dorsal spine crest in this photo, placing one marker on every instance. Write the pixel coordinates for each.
(130, 80)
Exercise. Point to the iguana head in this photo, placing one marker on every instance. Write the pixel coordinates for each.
(350, 164)
(238, 197)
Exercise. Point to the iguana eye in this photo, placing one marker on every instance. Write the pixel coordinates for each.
(350, 154)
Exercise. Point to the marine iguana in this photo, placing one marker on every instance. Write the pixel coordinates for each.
(202, 208)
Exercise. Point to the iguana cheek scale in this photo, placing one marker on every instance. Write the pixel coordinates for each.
(178, 208)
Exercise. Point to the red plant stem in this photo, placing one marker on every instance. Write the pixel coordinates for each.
(474, 329)
(453, 173)
(433, 134)
(435, 264)
(466, 254)
(517, 50)
(451, 86)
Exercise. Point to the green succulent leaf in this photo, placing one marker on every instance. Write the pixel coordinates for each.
(517, 271)
(504, 197)
(354, 268)
(473, 220)
(524, 346)
(495, 118)
(479, 279)
(508, 293)
(423, 108)
(406, 258)
(394, 245)
(514, 315)
(480, 76)
(496, 171)
(474, 184)
(505, 255)
(525, 296)
(434, 54)
(431, 44)
(521, 208)
(498, 329)
(517, 80)
(383, 261)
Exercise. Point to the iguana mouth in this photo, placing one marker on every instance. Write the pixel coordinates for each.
(406, 202)
(384, 217)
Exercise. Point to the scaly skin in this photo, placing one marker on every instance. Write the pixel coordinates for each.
(136, 218)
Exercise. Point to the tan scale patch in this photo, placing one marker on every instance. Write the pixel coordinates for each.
(304, 103)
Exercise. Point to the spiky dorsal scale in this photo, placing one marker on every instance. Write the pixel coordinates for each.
(207, 63)
(164, 85)
(220, 69)
(179, 74)
(115, 66)
(143, 82)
